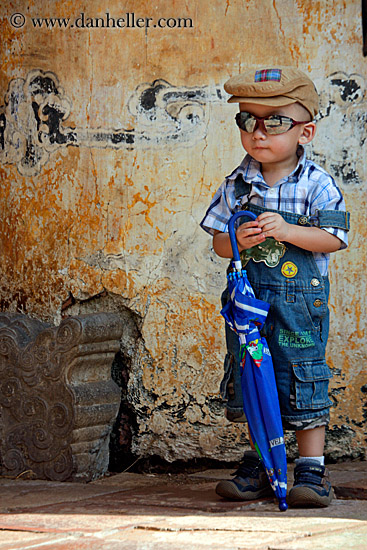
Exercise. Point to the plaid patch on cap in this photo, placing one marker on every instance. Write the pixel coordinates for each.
(268, 74)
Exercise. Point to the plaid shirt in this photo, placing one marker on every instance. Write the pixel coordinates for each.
(307, 189)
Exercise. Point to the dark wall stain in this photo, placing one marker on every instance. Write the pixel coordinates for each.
(166, 113)
(349, 88)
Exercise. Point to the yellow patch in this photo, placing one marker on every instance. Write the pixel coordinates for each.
(289, 270)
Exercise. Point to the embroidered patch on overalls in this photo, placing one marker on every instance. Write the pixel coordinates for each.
(300, 340)
(289, 270)
(270, 252)
(268, 74)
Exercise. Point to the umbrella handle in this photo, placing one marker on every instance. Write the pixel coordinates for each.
(232, 235)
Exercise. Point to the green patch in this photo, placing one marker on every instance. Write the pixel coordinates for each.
(270, 252)
(290, 339)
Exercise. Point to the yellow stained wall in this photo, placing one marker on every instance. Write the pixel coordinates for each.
(114, 140)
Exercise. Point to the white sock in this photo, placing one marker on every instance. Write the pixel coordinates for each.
(320, 459)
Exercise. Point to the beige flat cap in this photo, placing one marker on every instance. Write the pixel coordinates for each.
(274, 87)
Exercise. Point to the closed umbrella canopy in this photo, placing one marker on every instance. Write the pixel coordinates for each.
(246, 315)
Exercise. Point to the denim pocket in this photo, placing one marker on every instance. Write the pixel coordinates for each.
(315, 308)
(311, 383)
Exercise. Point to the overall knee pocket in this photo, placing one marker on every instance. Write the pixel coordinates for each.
(311, 384)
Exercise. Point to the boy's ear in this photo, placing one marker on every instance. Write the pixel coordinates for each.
(308, 133)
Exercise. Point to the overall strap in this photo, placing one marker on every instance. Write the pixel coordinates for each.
(326, 218)
(241, 187)
(323, 218)
(333, 218)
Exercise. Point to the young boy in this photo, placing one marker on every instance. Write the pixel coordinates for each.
(301, 219)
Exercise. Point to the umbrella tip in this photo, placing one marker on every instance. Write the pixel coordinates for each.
(283, 506)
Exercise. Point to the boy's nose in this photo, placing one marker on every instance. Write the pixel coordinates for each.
(259, 130)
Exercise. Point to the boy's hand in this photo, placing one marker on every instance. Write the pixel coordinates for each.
(273, 225)
(249, 234)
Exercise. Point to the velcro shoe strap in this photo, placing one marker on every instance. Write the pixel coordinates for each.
(309, 473)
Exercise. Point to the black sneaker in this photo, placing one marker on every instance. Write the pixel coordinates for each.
(311, 488)
(250, 481)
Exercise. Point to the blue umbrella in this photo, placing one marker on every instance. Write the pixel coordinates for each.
(246, 315)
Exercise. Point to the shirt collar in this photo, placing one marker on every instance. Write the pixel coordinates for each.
(301, 153)
(250, 169)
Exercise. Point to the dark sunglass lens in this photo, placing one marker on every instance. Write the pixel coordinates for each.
(246, 121)
(278, 124)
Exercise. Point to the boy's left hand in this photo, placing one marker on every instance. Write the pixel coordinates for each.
(273, 225)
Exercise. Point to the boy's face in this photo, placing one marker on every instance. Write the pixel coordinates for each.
(276, 148)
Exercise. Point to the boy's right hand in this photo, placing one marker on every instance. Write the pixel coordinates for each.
(248, 235)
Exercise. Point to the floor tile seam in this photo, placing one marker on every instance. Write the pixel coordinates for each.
(211, 529)
(290, 538)
(292, 513)
(44, 510)
(93, 490)
(24, 510)
(245, 529)
(46, 531)
(78, 532)
(310, 536)
(52, 540)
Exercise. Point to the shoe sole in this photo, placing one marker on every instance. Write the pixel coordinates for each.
(303, 497)
(229, 490)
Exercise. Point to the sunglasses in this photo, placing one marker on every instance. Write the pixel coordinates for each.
(273, 124)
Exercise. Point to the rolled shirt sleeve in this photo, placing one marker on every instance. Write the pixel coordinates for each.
(220, 210)
(327, 196)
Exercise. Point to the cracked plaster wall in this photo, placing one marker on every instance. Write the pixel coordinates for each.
(113, 142)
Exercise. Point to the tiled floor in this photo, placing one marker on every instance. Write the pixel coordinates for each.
(151, 512)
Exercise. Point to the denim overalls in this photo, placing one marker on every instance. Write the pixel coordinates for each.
(296, 328)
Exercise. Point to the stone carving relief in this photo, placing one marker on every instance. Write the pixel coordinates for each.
(57, 398)
(32, 120)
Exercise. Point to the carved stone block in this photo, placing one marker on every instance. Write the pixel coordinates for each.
(57, 399)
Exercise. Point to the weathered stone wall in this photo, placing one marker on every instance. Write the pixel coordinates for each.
(113, 140)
